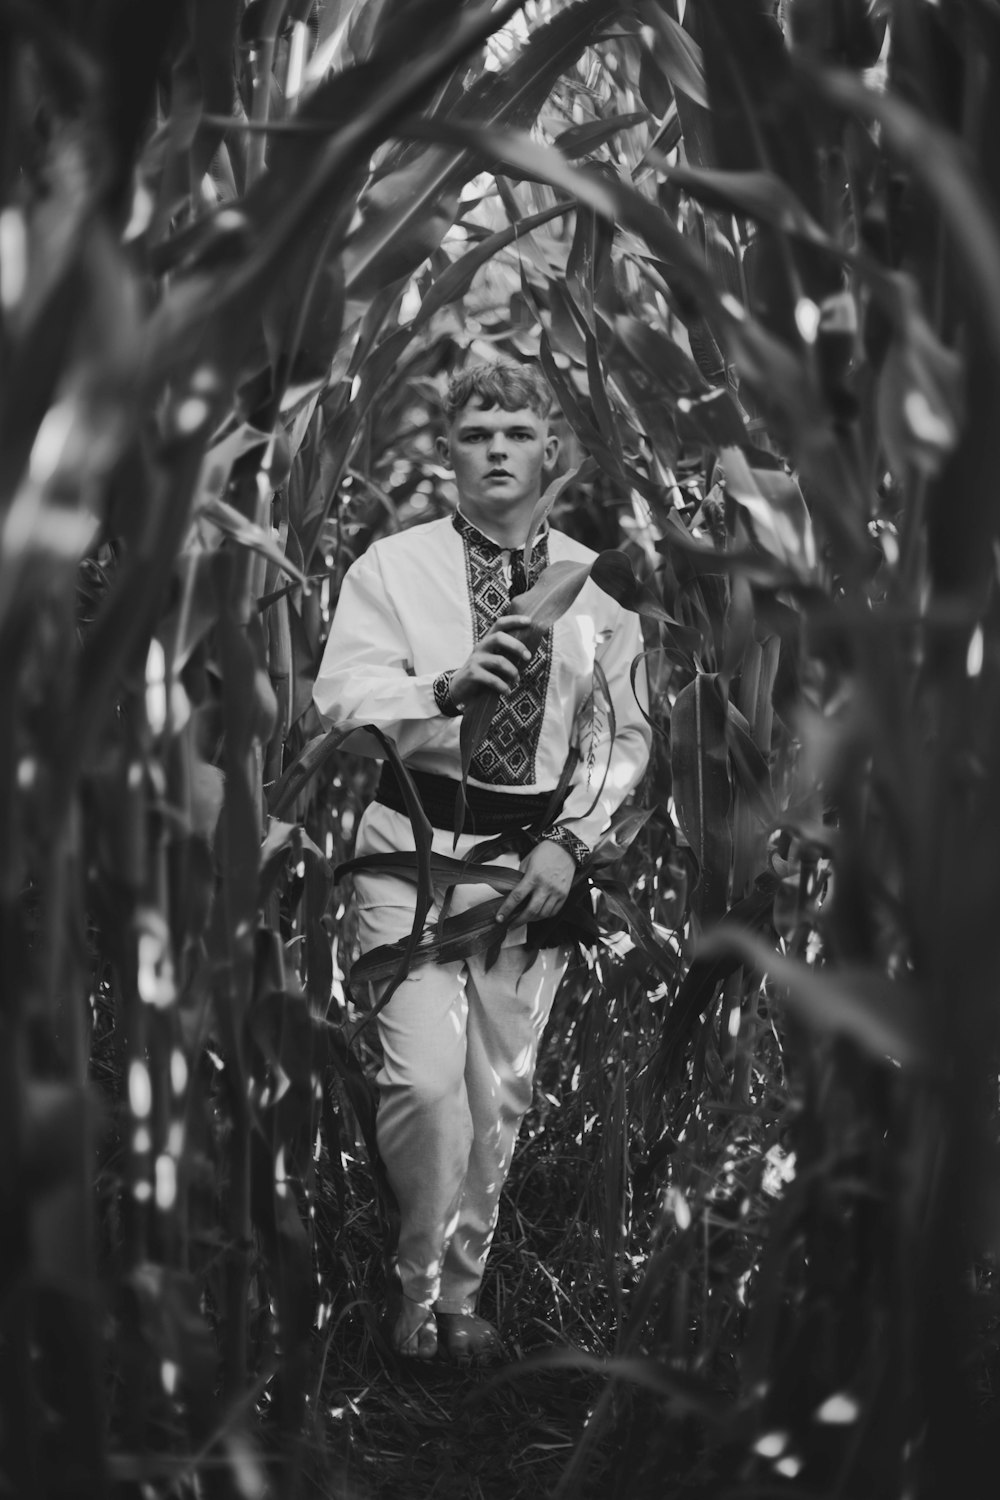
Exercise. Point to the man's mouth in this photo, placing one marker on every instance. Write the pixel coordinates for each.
(499, 474)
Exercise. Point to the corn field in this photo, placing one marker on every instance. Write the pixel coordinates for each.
(750, 1241)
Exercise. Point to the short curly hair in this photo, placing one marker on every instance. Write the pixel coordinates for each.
(512, 387)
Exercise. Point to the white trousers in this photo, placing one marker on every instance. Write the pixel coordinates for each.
(459, 1047)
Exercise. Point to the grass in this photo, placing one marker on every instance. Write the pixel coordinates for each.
(591, 1207)
(390, 1428)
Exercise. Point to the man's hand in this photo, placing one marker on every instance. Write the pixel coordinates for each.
(495, 664)
(546, 876)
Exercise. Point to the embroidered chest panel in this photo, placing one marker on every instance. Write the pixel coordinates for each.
(506, 755)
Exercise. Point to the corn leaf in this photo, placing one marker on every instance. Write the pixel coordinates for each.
(699, 764)
(444, 870)
(230, 521)
(607, 451)
(700, 985)
(625, 826)
(546, 502)
(613, 573)
(315, 757)
(938, 161)
(604, 193)
(622, 903)
(750, 766)
(471, 932)
(456, 280)
(280, 840)
(882, 1015)
(416, 189)
(758, 195)
(286, 200)
(580, 140)
(774, 503)
(678, 53)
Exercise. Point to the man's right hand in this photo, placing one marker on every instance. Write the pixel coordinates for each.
(495, 664)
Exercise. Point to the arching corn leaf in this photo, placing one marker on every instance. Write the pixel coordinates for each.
(613, 572)
(316, 755)
(882, 1015)
(230, 521)
(620, 901)
(473, 931)
(548, 499)
(444, 870)
(455, 282)
(700, 985)
(755, 195)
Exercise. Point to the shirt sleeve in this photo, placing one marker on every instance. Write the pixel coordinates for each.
(589, 805)
(366, 675)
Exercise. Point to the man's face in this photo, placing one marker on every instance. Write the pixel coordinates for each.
(498, 457)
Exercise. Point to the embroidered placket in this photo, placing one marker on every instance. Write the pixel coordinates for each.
(506, 755)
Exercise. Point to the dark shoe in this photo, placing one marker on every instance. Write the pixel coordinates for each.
(469, 1340)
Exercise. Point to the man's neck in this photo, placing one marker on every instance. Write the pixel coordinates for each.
(507, 531)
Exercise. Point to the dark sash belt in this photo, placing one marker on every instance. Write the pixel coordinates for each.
(493, 812)
(487, 811)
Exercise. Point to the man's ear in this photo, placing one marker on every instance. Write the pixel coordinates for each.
(551, 451)
(444, 450)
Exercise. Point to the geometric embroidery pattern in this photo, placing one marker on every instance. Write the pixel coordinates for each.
(506, 754)
(575, 848)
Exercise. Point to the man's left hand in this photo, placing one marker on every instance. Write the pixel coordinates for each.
(546, 876)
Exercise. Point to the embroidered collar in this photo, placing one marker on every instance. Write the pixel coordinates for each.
(470, 532)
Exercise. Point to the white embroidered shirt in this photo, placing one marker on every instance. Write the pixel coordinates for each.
(412, 608)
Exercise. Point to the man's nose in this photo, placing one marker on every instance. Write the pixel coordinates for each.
(497, 446)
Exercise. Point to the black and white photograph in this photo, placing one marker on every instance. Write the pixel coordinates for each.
(499, 750)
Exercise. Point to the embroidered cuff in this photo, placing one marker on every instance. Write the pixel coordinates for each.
(568, 841)
(442, 696)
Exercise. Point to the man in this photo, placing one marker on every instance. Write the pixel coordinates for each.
(424, 625)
